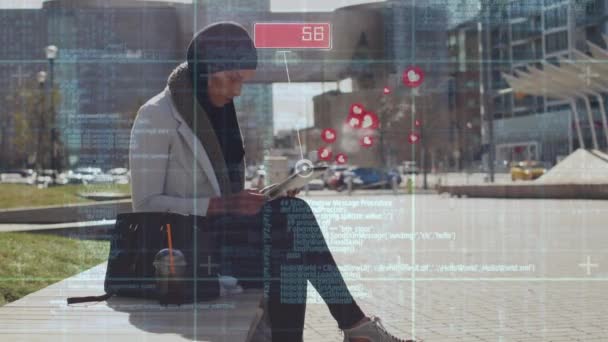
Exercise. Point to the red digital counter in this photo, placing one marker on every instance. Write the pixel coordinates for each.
(292, 35)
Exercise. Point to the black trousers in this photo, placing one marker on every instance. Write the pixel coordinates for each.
(279, 250)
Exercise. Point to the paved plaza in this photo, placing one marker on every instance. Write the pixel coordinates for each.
(462, 269)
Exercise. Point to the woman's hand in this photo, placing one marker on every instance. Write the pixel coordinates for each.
(293, 192)
(246, 202)
(288, 193)
(267, 188)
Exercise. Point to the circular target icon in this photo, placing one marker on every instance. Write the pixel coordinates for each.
(304, 168)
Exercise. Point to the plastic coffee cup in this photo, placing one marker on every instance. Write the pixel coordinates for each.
(170, 280)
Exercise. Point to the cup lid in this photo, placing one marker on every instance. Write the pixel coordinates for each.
(163, 257)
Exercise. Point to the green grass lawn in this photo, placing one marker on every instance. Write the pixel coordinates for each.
(22, 195)
(30, 262)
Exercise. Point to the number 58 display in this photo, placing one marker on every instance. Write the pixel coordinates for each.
(292, 35)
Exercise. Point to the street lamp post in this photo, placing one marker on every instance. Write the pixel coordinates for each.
(51, 54)
(41, 78)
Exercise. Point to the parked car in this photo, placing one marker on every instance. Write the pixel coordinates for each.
(62, 178)
(83, 175)
(410, 167)
(120, 175)
(527, 170)
(45, 177)
(316, 184)
(102, 178)
(118, 171)
(20, 176)
(73, 177)
(370, 178)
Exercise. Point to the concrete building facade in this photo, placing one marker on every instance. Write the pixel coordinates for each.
(522, 34)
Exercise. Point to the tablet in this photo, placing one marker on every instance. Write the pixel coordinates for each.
(296, 181)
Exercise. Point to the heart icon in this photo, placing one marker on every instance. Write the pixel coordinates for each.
(370, 120)
(366, 141)
(413, 77)
(341, 158)
(328, 135)
(353, 122)
(324, 153)
(356, 109)
(413, 138)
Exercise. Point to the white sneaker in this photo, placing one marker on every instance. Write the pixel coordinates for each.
(373, 330)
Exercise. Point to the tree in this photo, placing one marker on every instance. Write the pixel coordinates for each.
(19, 147)
(26, 138)
(391, 112)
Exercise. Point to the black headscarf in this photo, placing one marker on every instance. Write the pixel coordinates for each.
(221, 47)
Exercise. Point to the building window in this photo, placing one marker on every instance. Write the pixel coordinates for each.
(588, 10)
(556, 17)
(553, 2)
(557, 41)
(522, 52)
(538, 48)
(558, 108)
(451, 94)
(523, 112)
(526, 29)
(523, 8)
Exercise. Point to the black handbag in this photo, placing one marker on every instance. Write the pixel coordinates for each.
(164, 256)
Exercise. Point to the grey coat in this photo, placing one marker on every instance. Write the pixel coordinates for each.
(170, 168)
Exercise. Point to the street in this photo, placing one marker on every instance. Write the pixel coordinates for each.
(462, 269)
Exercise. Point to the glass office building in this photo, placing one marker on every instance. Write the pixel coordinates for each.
(526, 33)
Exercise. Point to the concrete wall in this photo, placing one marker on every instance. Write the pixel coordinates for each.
(560, 191)
(550, 130)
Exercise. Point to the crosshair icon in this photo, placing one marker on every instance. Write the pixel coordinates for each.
(588, 265)
(304, 168)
